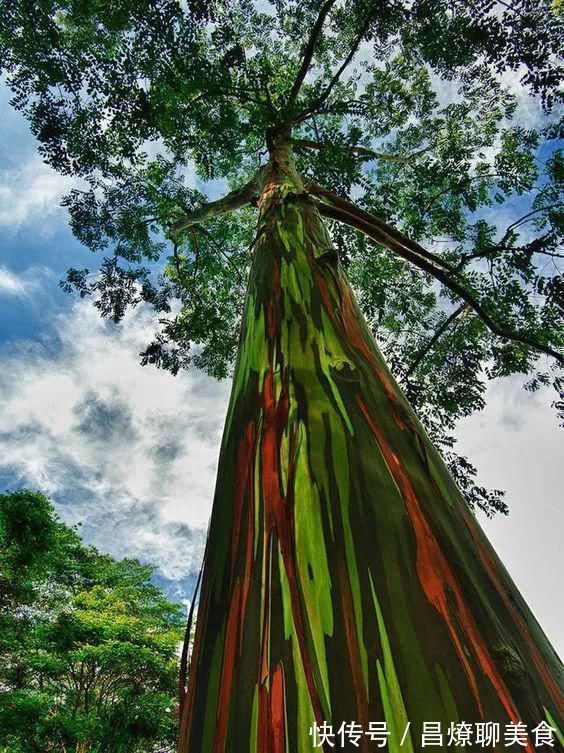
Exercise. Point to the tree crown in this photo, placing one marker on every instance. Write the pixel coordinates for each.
(88, 645)
(399, 106)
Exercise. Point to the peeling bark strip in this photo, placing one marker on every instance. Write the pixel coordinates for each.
(345, 578)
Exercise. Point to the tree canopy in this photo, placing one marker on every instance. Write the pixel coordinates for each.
(404, 108)
(88, 645)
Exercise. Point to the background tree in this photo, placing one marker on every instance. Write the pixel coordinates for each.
(351, 124)
(88, 645)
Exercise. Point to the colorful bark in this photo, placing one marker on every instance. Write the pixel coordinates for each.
(345, 578)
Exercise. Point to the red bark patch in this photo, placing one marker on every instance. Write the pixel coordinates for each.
(228, 664)
(540, 664)
(279, 514)
(277, 712)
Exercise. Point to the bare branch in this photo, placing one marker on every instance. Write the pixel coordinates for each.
(234, 200)
(358, 151)
(511, 8)
(383, 228)
(382, 233)
(526, 217)
(309, 50)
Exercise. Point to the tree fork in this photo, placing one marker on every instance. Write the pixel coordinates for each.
(345, 578)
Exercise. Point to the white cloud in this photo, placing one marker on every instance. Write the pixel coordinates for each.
(129, 451)
(31, 193)
(10, 284)
(516, 444)
(22, 285)
(529, 112)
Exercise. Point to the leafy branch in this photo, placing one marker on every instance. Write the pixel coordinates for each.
(420, 355)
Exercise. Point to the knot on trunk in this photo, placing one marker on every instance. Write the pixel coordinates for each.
(511, 663)
(345, 371)
(328, 255)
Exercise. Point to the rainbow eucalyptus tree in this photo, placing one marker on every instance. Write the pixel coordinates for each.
(372, 210)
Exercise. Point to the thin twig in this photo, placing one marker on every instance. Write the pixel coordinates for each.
(214, 243)
(465, 182)
(358, 151)
(185, 648)
(422, 352)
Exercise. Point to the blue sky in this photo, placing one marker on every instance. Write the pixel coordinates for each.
(131, 452)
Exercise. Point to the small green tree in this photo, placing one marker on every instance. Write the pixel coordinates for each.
(88, 645)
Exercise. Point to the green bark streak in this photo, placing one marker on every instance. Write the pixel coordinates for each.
(345, 578)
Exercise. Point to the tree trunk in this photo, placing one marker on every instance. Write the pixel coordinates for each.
(345, 578)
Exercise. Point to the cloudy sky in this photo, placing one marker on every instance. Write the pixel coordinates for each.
(131, 452)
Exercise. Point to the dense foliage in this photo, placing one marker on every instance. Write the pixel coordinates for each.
(88, 645)
(404, 106)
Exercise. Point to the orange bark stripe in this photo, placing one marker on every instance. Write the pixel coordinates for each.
(277, 712)
(434, 573)
(540, 664)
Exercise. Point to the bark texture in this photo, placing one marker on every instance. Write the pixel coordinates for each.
(345, 578)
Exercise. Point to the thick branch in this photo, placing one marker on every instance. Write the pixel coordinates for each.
(422, 352)
(358, 151)
(383, 228)
(309, 50)
(234, 200)
(387, 236)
